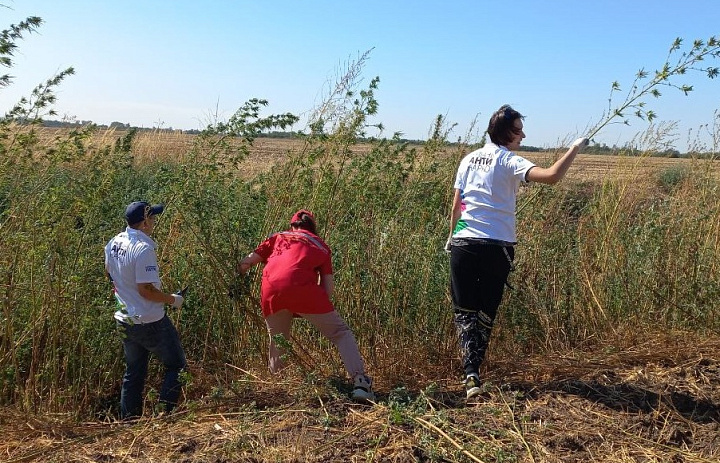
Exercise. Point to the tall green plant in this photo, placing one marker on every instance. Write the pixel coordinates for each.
(678, 63)
(8, 44)
(29, 110)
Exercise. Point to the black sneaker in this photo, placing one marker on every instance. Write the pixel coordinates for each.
(472, 386)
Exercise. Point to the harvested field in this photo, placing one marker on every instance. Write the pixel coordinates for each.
(266, 152)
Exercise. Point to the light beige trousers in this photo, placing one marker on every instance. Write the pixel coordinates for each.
(330, 324)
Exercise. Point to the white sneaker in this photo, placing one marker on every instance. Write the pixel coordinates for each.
(472, 386)
(362, 390)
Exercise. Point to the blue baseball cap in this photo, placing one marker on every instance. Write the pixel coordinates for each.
(137, 211)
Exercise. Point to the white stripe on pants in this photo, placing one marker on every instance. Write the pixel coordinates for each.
(330, 324)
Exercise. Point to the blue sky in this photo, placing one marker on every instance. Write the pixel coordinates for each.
(180, 63)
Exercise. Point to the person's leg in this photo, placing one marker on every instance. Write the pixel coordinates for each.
(464, 274)
(333, 327)
(278, 323)
(136, 365)
(473, 335)
(478, 276)
(166, 346)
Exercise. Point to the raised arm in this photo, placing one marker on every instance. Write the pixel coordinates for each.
(556, 172)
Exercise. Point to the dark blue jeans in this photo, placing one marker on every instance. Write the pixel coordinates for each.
(139, 341)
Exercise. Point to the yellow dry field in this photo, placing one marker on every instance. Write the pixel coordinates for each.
(266, 152)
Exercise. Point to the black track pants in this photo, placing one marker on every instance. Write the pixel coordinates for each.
(478, 273)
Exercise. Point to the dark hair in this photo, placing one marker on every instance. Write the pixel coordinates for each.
(501, 127)
(305, 221)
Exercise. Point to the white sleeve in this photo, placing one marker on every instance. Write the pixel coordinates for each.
(460, 177)
(520, 167)
(146, 267)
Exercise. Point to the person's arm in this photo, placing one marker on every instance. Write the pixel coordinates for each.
(328, 283)
(556, 172)
(455, 211)
(151, 293)
(454, 217)
(248, 262)
(107, 267)
(146, 268)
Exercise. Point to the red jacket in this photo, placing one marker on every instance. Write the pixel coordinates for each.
(294, 261)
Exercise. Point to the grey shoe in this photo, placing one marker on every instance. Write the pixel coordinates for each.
(362, 390)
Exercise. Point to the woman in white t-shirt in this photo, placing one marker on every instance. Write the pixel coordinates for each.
(482, 230)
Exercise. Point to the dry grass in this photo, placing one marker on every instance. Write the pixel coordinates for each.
(594, 167)
(654, 402)
(267, 152)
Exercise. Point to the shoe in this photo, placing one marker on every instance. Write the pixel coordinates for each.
(362, 389)
(472, 386)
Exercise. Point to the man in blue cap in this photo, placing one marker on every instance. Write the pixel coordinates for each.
(131, 263)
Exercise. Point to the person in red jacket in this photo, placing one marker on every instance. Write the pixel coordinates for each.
(298, 281)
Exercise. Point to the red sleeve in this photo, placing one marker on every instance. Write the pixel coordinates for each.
(265, 248)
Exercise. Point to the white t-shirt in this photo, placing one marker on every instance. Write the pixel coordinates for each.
(488, 180)
(130, 259)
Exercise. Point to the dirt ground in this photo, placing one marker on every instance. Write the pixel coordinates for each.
(655, 402)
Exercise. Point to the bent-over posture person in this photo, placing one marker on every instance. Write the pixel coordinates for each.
(298, 281)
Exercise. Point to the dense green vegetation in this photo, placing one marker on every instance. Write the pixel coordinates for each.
(594, 257)
(597, 257)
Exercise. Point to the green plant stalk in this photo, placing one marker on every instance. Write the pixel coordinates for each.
(687, 61)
